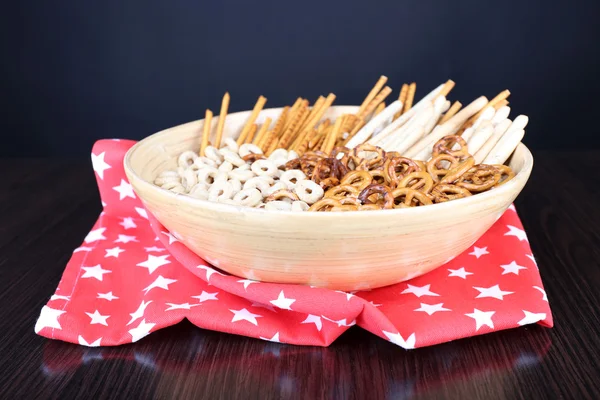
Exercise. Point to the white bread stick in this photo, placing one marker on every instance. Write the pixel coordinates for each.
(366, 131)
(501, 115)
(499, 130)
(480, 137)
(505, 147)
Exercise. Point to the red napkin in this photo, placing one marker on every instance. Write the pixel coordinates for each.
(131, 277)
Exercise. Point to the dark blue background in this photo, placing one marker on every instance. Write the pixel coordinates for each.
(76, 71)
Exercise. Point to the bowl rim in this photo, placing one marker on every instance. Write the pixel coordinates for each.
(503, 190)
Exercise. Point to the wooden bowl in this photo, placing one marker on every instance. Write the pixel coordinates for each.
(339, 250)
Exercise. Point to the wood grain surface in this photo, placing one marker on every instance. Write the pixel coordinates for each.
(47, 207)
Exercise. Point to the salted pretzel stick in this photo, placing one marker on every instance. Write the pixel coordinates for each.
(292, 113)
(423, 147)
(448, 86)
(376, 122)
(260, 103)
(286, 137)
(499, 130)
(501, 104)
(304, 146)
(382, 80)
(314, 109)
(251, 133)
(222, 117)
(332, 136)
(402, 98)
(263, 129)
(411, 96)
(281, 121)
(272, 146)
(379, 108)
(450, 113)
(206, 131)
(385, 92)
(316, 117)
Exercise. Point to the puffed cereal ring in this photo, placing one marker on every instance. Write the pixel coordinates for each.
(186, 159)
(248, 197)
(300, 206)
(249, 148)
(219, 191)
(292, 177)
(264, 168)
(308, 191)
(278, 206)
(282, 194)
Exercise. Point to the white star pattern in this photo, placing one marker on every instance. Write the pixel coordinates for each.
(246, 282)
(172, 239)
(512, 207)
(83, 342)
(126, 239)
(265, 306)
(142, 330)
(160, 282)
(98, 318)
(542, 291)
(244, 315)
(479, 251)
(59, 297)
(128, 223)
(419, 290)
(184, 306)
(531, 318)
(282, 302)
(114, 252)
(348, 295)
(125, 190)
(461, 272)
(139, 313)
(142, 212)
(83, 248)
(95, 235)
(374, 305)
(482, 318)
(275, 338)
(48, 319)
(209, 271)
(512, 268)
(341, 322)
(313, 319)
(154, 249)
(204, 296)
(96, 272)
(107, 296)
(518, 233)
(99, 165)
(532, 258)
(430, 309)
(493, 291)
(154, 262)
(397, 339)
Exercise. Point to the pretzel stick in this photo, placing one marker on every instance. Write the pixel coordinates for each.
(450, 113)
(206, 131)
(499, 97)
(263, 129)
(304, 146)
(382, 80)
(423, 147)
(314, 109)
(330, 139)
(411, 96)
(365, 133)
(286, 138)
(501, 104)
(281, 121)
(385, 92)
(251, 134)
(320, 142)
(292, 113)
(222, 117)
(260, 103)
(448, 86)
(272, 146)
(402, 98)
(316, 117)
(379, 108)
(499, 130)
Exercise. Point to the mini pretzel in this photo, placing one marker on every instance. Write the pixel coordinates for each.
(345, 152)
(420, 181)
(379, 177)
(296, 163)
(384, 192)
(282, 194)
(341, 191)
(365, 162)
(446, 144)
(325, 204)
(369, 207)
(480, 178)
(395, 169)
(406, 197)
(435, 168)
(345, 207)
(506, 172)
(308, 191)
(350, 201)
(252, 157)
(455, 173)
(327, 168)
(328, 183)
(358, 179)
(445, 192)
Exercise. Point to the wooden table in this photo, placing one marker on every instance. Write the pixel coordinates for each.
(47, 207)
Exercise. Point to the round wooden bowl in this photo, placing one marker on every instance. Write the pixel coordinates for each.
(337, 250)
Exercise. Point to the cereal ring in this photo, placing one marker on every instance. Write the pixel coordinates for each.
(189, 179)
(420, 181)
(186, 159)
(219, 191)
(383, 193)
(282, 194)
(241, 175)
(325, 204)
(212, 153)
(278, 206)
(166, 176)
(264, 168)
(172, 184)
(232, 157)
(181, 171)
(300, 206)
(407, 197)
(248, 197)
(226, 166)
(279, 153)
(230, 144)
(202, 162)
(341, 191)
(358, 179)
(235, 184)
(207, 175)
(292, 155)
(279, 161)
(273, 189)
(178, 189)
(445, 192)
(292, 177)
(249, 148)
(200, 191)
(244, 167)
(262, 183)
(308, 191)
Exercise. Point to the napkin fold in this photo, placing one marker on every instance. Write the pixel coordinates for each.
(131, 277)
